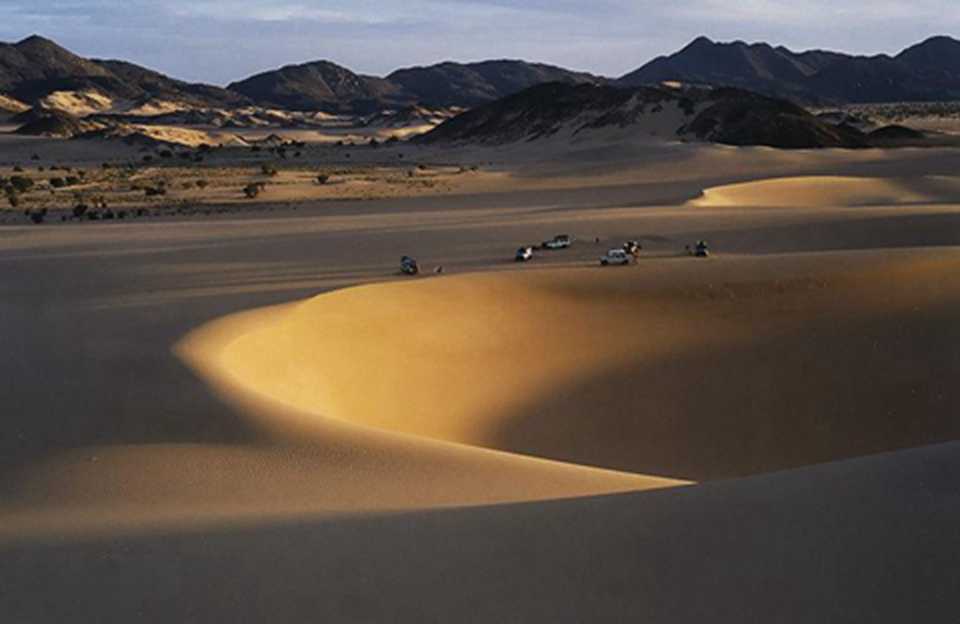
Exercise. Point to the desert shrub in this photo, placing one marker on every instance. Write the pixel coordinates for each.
(165, 154)
(12, 198)
(251, 190)
(374, 143)
(38, 216)
(79, 210)
(58, 182)
(35, 157)
(268, 170)
(393, 139)
(21, 184)
(72, 180)
(153, 191)
(105, 165)
(17, 169)
(148, 158)
(202, 184)
(254, 148)
(323, 178)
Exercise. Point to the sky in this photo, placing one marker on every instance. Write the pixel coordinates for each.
(218, 41)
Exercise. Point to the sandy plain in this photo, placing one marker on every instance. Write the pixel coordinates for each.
(251, 417)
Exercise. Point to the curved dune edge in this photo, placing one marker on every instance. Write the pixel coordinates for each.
(824, 191)
(651, 372)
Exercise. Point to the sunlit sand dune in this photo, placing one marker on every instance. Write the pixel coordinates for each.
(819, 191)
(693, 370)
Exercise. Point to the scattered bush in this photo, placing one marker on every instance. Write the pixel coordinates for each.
(268, 170)
(58, 182)
(323, 178)
(21, 184)
(251, 190)
(148, 158)
(202, 184)
(79, 210)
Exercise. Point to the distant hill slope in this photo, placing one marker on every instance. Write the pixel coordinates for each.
(466, 85)
(324, 86)
(926, 71)
(730, 116)
(36, 67)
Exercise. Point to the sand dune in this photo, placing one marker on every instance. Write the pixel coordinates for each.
(692, 370)
(816, 191)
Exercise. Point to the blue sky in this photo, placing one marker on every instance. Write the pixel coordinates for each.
(222, 40)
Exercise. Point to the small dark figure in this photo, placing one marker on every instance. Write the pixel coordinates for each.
(439, 269)
(701, 250)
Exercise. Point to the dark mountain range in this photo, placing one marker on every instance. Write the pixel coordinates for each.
(929, 71)
(323, 85)
(36, 67)
(725, 115)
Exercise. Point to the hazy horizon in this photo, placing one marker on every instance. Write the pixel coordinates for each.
(217, 42)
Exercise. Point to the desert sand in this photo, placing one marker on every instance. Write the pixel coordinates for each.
(252, 417)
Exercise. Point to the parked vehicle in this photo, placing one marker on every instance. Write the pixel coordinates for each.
(632, 247)
(560, 241)
(409, 266)
(616, 256)
(524, 254)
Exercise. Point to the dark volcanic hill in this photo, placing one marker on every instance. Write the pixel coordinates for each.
(467, 85)
(925, 72)
(324, 86)
(36, 67)
(726, 115)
